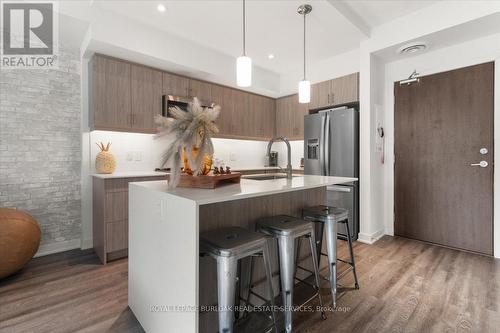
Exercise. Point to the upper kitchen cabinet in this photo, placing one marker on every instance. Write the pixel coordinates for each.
(290, 117)
(345, 89)
(262, 116)
(146, 94)
(223, 96)
(110, 98)
(320, 94)
(175, 85)
(241, 115)
(338, 91)
(123, 96)
(201, 90)
(126, 97)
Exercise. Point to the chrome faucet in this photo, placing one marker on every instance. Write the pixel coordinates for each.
(289, 154)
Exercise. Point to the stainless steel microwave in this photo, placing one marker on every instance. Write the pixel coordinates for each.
(182, 103)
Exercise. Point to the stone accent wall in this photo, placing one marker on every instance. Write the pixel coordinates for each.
(40, 145)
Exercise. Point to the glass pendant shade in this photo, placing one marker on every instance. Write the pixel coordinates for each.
(304, 91)
(244, 71)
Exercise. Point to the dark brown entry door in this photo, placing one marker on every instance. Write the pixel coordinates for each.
(442, 125)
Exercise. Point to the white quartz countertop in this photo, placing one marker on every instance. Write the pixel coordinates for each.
(265, 168)
(130, 174)
(247, 188)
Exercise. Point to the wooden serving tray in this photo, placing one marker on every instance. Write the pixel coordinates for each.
(208, 181)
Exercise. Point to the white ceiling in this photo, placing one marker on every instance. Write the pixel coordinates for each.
(377, 12)
(272, 27)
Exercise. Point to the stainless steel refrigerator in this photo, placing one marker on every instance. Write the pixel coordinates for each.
(331, 148)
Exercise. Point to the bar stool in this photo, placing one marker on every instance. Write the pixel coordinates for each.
(329, 217)
(227, 246)
(286, 229)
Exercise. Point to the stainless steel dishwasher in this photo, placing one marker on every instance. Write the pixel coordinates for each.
(345, 196)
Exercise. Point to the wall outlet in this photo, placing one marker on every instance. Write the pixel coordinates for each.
(233, 157)
(129, 157)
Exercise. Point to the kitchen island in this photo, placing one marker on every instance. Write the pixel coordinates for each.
(168, 281)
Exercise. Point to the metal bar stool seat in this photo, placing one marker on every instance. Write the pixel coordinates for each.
(329, 217)
(286, 229)
(227, 246)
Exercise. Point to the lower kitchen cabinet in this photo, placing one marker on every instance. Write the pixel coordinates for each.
(110, 215)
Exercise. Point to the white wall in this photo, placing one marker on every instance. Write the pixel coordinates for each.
(141, 152)
(462, 55)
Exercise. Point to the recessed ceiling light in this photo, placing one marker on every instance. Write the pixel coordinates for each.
(161, 8)
(270, 56)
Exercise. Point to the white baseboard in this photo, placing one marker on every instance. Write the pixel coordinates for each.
(46, 249)
(370, 238)
(87, 244)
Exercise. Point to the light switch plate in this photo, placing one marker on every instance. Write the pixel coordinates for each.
(137, 156)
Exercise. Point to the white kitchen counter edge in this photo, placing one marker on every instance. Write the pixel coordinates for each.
(248, 188)
(129, 174)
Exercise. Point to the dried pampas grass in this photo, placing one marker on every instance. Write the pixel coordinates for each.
(192, 129)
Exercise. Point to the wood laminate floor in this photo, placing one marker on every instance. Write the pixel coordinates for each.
(406, 286)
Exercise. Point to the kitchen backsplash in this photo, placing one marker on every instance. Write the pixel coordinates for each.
(142, 152)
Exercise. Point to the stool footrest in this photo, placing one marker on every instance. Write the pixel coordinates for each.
(305, 282)
(258, 296)
(309, 271)
(346, 262)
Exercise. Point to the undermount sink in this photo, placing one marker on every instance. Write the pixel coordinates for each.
(268, 176)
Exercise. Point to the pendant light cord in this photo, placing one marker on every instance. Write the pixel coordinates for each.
(244, 32)
(304, 47)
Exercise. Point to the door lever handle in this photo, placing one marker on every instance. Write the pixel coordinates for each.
(482, 164)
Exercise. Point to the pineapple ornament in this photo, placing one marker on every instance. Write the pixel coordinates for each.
(105, 161)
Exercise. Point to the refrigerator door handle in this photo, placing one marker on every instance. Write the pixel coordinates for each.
(327, 145)
(321, 146)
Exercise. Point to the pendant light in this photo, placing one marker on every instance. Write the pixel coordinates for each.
(244, 63)
(304, 85)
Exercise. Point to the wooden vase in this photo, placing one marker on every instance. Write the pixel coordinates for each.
(207, 162)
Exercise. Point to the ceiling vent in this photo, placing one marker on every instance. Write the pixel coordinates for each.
(412, 48)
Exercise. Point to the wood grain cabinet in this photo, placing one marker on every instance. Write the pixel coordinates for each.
(345, 89)
(110, 216)
(223, 96)
(241, 115)
(290, 117)
(126, 97)
(320, 94)
(201, 90)
(146, 95)
(110, 99)
(123, 96)
(175, 85)
(338, 91)
(262, 114)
